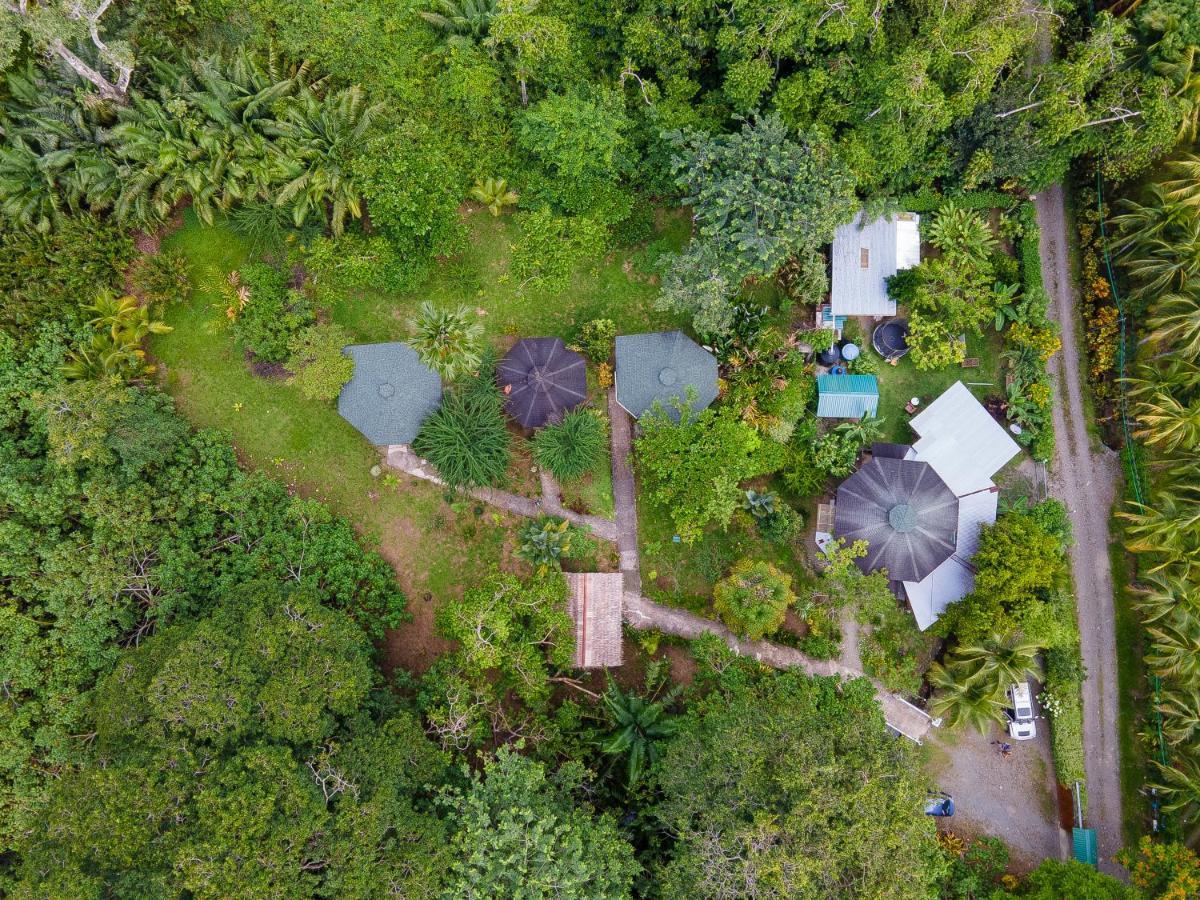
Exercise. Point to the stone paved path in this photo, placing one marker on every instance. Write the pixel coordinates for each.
(624, 493)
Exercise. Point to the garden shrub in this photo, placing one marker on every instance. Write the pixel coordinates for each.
(572, 447)
(44, 276)
(637, 226)
(160, 279)
(753, 599)
(320, 368)
(781, 525)
(595, 340)
(549, 247)
(356, 262)
(820, 646)
(467, 439)
(272, 315)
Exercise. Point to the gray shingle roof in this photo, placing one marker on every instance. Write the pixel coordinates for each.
(904, 511)
(390, 394)
(661, 366)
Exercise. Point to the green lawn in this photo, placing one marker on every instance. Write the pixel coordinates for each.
(900, 383)
(436, 548)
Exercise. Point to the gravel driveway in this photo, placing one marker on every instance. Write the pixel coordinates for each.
(1084, 478)
(1014, 798)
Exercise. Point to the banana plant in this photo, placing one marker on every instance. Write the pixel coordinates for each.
(494, 193)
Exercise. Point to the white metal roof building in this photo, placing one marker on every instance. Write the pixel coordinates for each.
(965, 447)
(961, 440)
(864, 258)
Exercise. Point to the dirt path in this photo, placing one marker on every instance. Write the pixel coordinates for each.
(643, 613)
(410, 463)
(1084, 479)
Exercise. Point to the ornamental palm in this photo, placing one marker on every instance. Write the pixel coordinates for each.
(126, 320)
(446, 340)
(999, 661)
(321, 136)
(639, 726)
(961, 701)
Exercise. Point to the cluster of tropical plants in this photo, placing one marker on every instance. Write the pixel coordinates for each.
(467, 437)
(220, 130)
(546, 542)
(572, 447)
(1155, 247)
(120, 325)
(449, 341)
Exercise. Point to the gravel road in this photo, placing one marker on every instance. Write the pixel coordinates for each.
(1084, 478)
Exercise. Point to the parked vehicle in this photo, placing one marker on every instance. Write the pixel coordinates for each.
(1021, 726)
(941, 805)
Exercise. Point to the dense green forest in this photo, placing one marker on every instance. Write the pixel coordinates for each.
(225, 670)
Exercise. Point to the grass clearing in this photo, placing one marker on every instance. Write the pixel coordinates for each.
(437, 548)
(900, 383)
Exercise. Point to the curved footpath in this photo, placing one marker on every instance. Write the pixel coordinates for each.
(1084, 478)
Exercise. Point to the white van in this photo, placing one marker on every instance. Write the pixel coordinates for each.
(1020, 712)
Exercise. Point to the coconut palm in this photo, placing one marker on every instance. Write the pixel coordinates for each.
(1145, 221)
(1166, 261)
(322, 135)
(1168, 528)
(999, 661)
(1184, 185)
(494, 194)
(447, 340)
(959, 700)
(1174, 320)
(1168, 422)
(1175, 647)
(1159, 593)
(1181, 715)
(1179, 785)
(639, 727)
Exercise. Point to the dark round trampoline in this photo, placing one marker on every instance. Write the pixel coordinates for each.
(890, 338)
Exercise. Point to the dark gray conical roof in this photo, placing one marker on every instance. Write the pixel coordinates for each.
(905, 513)
(541, 380)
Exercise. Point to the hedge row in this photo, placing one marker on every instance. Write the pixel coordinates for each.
(928, 200)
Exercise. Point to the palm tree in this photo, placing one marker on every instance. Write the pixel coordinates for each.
(124, 319)
(106, 358)
(1169, 528)
(1181, 715)
(1175, 647)
(1167, 422)
(1179, 785)
(962, 701)
(322, 135)
(446, 340)
(1165, 261)
(639, 725)
(1175, 320)
(999, 661)
(861, 431)
(462, 22)
(958, 231)
(494, 194)
(1159, 593)
(1184, 187)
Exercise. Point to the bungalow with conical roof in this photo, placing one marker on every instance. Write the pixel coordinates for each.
(660, 367)
(391, 392)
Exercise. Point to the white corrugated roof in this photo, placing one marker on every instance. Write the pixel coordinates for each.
(863, 260)
(974, 511)
(930, 596)
(962, 441)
